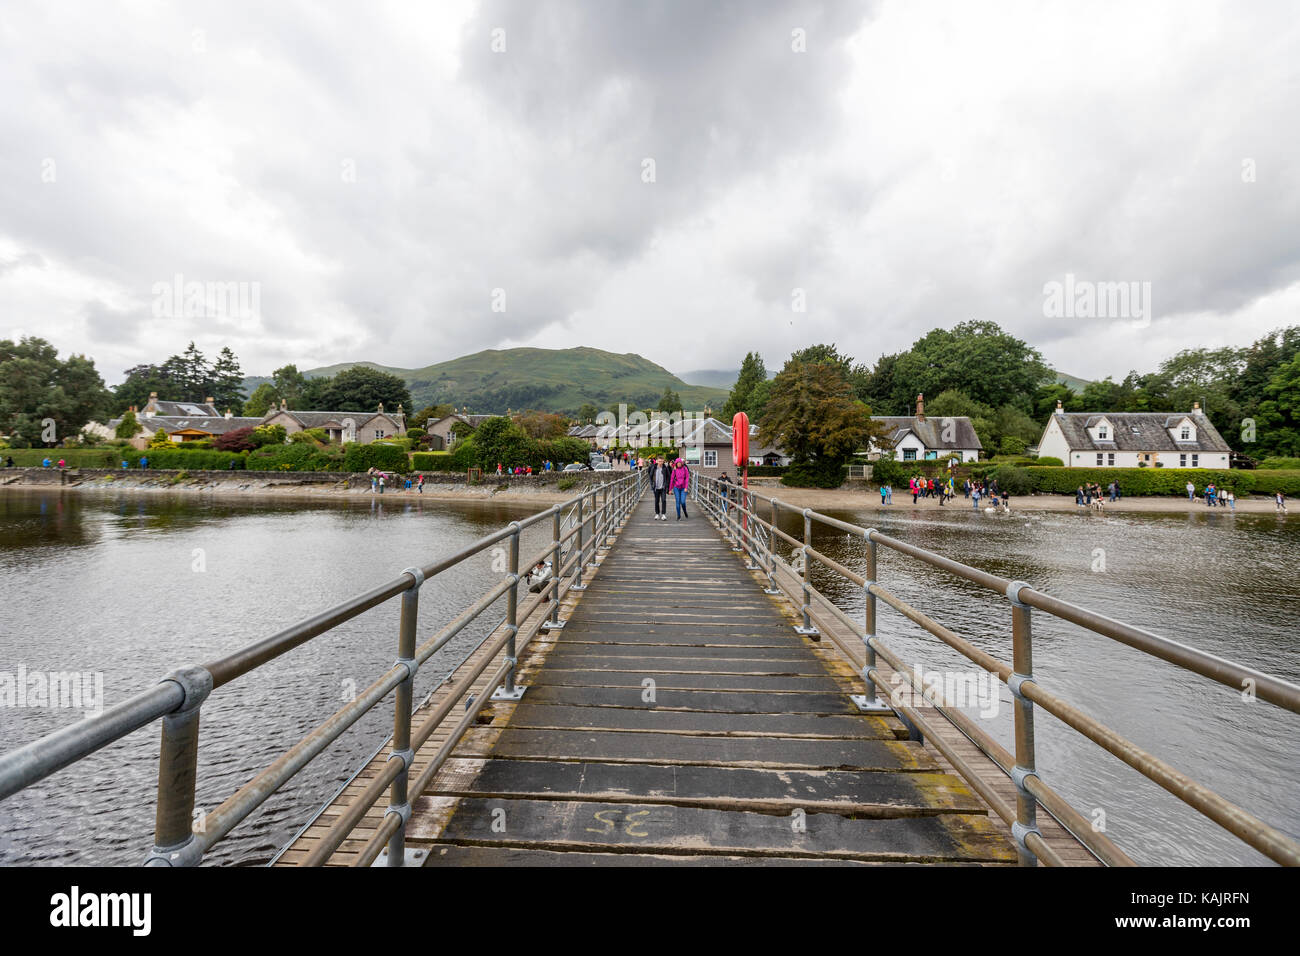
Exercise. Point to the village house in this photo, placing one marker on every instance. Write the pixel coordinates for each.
(182, 421)
(918, 438)
(1134, 440)
(441, 431)
(360, 427)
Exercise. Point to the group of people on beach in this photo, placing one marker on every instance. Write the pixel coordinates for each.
(380, 480)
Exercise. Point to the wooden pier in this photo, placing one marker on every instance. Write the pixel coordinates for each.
(677, 718)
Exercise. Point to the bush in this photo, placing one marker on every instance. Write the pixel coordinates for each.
(1273, 480)
(296, 456)
(359, 457)
(160, 440)
(564, 484)
(1013, 480)
(823, 473)
(887, 471)
(1138, 481)
(1011, 445)
(241, 439)
(415, 434)
(168, 458)
(268, 435)
(1048, 461)
(1272, 464)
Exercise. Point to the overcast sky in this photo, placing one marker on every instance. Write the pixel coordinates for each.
(373, 173)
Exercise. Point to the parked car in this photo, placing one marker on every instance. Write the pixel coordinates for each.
(577, 466)
(602, 466)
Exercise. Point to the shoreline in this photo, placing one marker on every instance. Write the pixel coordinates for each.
(520, 491)
(851, 499)
(233, 489)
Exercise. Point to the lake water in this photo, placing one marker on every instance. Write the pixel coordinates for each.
(131, 586)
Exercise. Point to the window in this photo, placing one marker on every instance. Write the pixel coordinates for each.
(1110, 459)
(909, 454)
(710, 459)
(1100, 456)
(1187, 433)
(1101, 432)
(379, 433)
(1182, 461)
(1196, 461)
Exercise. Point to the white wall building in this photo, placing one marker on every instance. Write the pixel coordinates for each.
(1134, 440)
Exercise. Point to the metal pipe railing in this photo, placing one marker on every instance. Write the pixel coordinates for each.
(1031, 790)
(177, 700)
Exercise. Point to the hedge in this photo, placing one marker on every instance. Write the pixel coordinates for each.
(1139, 481)
(179, 458)
(432, 461)
(384, 457)
(1272, 464)
(815, 474)
(1271, 481)
(297, 456)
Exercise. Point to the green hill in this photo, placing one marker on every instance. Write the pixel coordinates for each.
(1072, 383)
(556, 380)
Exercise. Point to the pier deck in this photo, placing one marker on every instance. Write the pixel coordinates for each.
(678, 718)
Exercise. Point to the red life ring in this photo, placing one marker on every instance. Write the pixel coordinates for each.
(740, 440)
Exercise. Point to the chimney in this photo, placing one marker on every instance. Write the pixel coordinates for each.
(283, 405)
(920, 408)
(153, 396)
(209, 400)
(1196, 408)
(1059, 407)
(381, 408)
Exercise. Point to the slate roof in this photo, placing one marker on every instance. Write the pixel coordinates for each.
(211, 424)
(321, 419)
(183, 410)
(1139, 431)
(930, 432)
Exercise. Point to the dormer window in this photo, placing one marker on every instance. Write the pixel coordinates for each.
(1186, 433)
(1101, 432)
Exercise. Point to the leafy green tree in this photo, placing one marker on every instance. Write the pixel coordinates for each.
(264, 397)
(128, 427)
(500, 441)
(359, 389)
(1047, 396)
(1278, 427)
(36, 388)
(587, 413)
(977, 358)
(268, 435)
(289, 385)
(160, 440)
(815, 416)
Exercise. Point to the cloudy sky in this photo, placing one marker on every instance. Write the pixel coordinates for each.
(404, 183)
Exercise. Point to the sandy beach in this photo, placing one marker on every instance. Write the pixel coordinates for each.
(868, 499)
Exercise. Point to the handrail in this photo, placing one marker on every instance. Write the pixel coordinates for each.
(178, 699)
(735, 511)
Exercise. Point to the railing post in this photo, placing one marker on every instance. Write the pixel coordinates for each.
(554, 623)
(1022, 656)
(870, 702)
(178, 762)
(508, 690)
(399, 802)
(591, 538)
(771, 553)
(581, 545)
(807, 629)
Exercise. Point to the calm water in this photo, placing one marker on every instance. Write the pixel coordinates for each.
(1224, 583)
(110, 584)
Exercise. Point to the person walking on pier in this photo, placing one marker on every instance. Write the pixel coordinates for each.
(659, 478)
(680, 482)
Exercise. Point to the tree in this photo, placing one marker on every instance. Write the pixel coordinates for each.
(752, 372)
(501, 441)
(264, 397)
(160, 440)
(815, 416)
(427, 414)
(977, 358)
(1278, 428)
(45, 400)
(588, 412)
(359, 389)
(542, 425)
(268, 435)
(1047, 396)
(289, 385)
(226, 384)
(669, 401)
(128, 427)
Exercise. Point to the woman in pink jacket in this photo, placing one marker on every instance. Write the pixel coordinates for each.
(680, 482)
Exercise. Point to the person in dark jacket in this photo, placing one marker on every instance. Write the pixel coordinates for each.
(660, 477)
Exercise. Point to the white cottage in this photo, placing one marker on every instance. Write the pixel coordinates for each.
(917, 438)
(1134, 440)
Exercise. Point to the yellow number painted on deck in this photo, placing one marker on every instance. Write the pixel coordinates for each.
(630, 824)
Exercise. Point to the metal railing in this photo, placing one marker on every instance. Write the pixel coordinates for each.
(178, 698)
(739, 521)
